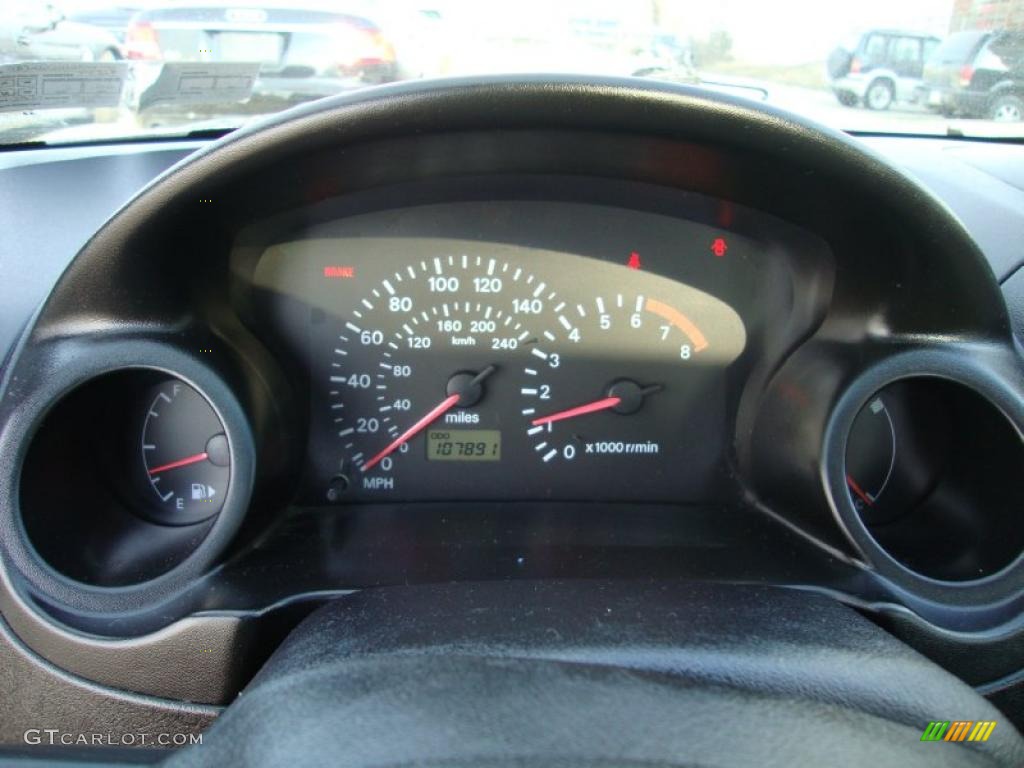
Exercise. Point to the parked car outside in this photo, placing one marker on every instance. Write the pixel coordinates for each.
(978, 73)
(30, 31)
(114, 18)
(664, 53)
(880, 67)
(422, 37)
(306, 50)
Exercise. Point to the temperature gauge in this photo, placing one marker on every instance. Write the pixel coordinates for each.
(185, 454)
(871, 456)
(895, 452)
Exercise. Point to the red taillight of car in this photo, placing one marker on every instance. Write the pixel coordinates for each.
(854, 65)
(141, 41)
(360, 47)
(383, 48)
(966, 73)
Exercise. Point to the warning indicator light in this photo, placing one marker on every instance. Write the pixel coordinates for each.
(719, 247)
(342, 272)
(634, 260)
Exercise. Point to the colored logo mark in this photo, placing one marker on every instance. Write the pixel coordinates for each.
(958, 730)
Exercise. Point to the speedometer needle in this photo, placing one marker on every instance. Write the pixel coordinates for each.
(434, 414)
(461, 385)
(580, 410)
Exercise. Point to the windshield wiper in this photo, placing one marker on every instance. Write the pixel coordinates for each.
(199, 134)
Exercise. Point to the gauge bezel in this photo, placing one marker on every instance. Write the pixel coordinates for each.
(73, 364)
(984, 369)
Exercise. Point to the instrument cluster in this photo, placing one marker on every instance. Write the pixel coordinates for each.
(519, 350)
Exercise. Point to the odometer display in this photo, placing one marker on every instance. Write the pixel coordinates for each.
(506, 365)
(464, 445)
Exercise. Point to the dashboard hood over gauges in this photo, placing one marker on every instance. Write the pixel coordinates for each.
(597, 673)
(301, 363)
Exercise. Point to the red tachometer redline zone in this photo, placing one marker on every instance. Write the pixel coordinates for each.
(680, 321)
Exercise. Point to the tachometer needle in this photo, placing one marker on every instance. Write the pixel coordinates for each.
(580, 410)
(435, 413)
(180, 463)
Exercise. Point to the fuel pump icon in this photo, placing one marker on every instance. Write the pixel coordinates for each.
(201, 492)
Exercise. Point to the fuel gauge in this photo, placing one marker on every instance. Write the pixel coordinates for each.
(185, 454)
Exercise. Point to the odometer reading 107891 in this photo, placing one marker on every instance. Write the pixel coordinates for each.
(464, 445)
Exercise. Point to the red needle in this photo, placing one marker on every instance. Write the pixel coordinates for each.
(435, 413)
(857, 490)
(581, 410)
(179, 463)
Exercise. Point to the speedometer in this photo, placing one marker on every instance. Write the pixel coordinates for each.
(416, 362)
(372, 403)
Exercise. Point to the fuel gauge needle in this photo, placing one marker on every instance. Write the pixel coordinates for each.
(189, 460)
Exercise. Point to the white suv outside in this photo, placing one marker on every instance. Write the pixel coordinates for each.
(880, 67)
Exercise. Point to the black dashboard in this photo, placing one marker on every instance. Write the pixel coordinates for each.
(560, 337)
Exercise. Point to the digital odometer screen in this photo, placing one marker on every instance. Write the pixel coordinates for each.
(464, 445)
(517, 350)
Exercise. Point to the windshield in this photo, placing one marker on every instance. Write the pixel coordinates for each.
(98, 70)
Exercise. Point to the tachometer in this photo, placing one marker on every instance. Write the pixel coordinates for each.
(582, 402)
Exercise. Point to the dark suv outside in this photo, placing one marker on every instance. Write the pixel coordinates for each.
(879, 67)
(978, 73)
